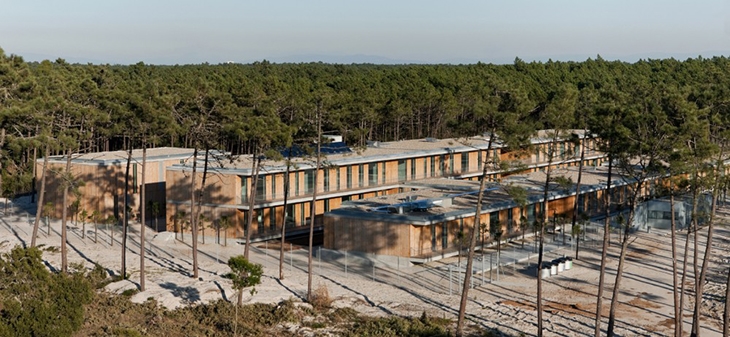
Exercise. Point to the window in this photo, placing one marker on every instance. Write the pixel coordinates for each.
(444, 236)
(510, 220)
(338, 179)
(451, 163)
(494, 222)
(581, 203)
(134, 179)
(244, 189)
(464, 162)
(302, 218)
(413, 168)
(433, 237)
(442, 161)
(296, 183)
(260, 221)
(562, 150)
(349, 177)
(360, 175)
(272, 218)
(402, 170)
(384, 175)
(261, 188)
(326, 205)
(289, 216)
(537, 154)
(530, 214)
(273, 187)
(309, 181)
(373, 174)
(326, 174)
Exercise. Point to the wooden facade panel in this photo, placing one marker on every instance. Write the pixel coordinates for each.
(391, 171)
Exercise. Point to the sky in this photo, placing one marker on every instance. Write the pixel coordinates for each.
(373, 31)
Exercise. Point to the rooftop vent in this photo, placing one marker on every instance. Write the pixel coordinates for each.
(431, 140)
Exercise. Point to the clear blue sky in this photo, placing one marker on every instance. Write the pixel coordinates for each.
(394, 31)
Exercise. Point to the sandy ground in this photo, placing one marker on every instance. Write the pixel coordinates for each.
(505, 303)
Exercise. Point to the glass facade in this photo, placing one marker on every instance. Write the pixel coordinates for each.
(464, 162)
(372, 174)
(402, 170)
(326, 182)
(309, 181)
(413, 168)
(349, 177)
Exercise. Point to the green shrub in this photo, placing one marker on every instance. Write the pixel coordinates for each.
(36, 302)
(130, 292)
(396, 326)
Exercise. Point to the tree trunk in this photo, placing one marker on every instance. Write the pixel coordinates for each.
(473, 240)
(696, 316)
(64, 213)
(606, 238)
(41, 196)
(314, 208)
(541, 238)
(622, 259)
(35, 171)
(202, 188)
(577, 194)
(692, 229)
(143, 203)
(125, 216)
(2, 142)
(686, 247)
(675, 289)
(726, 312)
(252, 202)
(193, 220)
(283, 225)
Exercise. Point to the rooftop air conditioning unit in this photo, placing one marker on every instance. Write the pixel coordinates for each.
(431, 140)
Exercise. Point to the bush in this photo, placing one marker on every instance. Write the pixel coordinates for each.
(36, 302)
(130, 292)
(397, 326)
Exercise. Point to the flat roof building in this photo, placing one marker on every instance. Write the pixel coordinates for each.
(424, 221)
(380, 169)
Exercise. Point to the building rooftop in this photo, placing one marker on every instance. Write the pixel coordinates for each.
(437, 200)
(375, 151)
(118, 157)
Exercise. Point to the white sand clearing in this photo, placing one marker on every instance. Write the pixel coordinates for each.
(507, 302)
